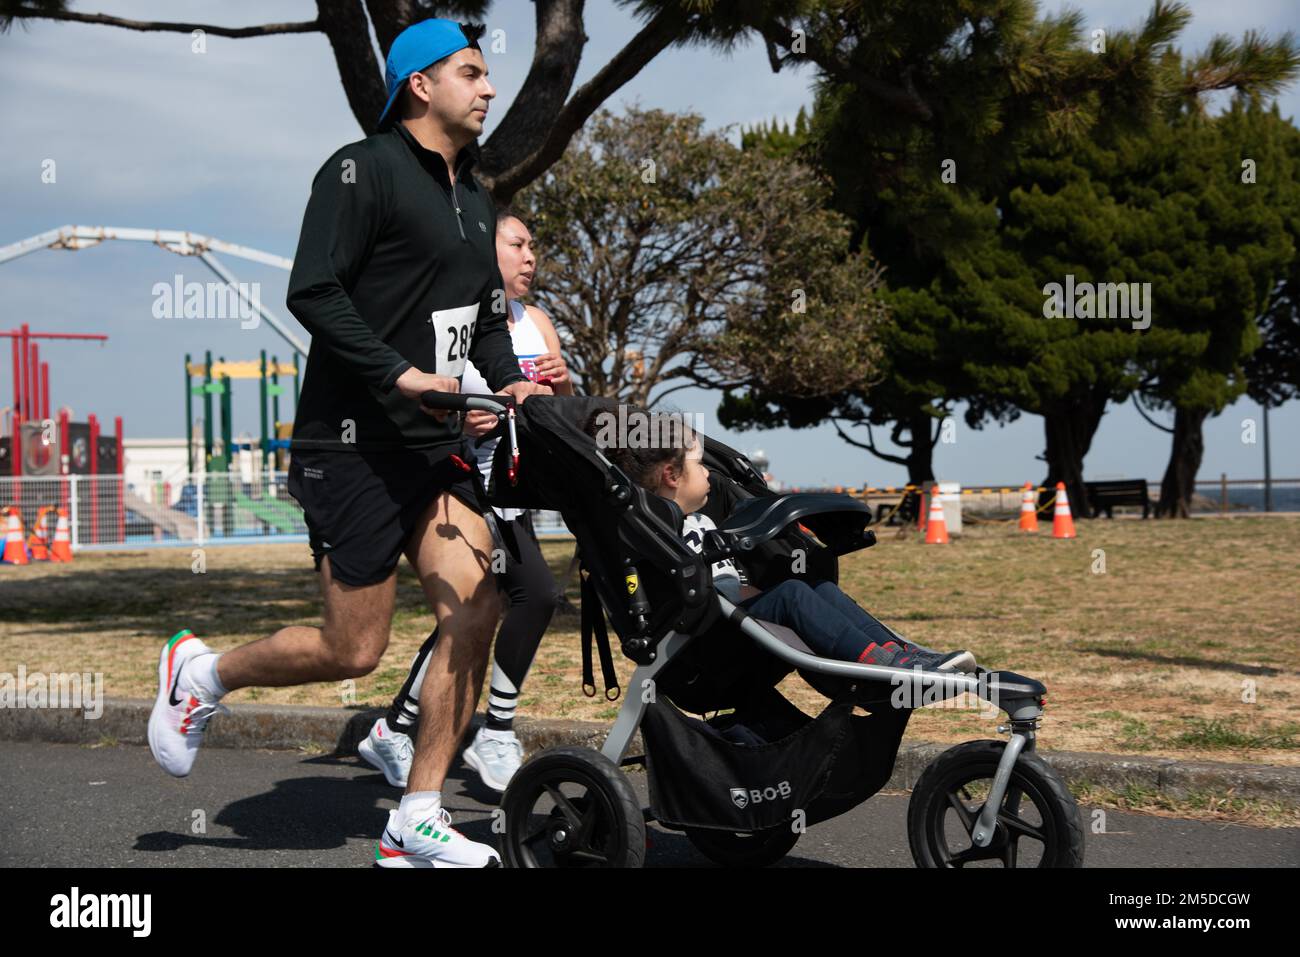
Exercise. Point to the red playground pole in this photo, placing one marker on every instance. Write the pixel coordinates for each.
(15, 441)
(25, 348)
(94, 484)
(121, 483)
(45, 390)
(33, 396)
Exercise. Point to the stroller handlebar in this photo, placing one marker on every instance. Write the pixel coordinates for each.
(465, 401)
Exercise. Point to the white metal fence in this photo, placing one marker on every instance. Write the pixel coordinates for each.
(105, 512)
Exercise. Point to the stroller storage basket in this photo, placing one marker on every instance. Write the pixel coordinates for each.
(702, 775)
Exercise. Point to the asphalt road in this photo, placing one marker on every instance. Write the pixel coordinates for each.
(78, 806)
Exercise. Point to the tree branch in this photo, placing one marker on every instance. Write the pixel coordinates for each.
(1142, 412)
(664, 28)
(779, 34)
(556, 55)
(266, 29)
(869, 446)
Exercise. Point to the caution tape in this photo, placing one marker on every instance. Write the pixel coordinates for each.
(974, 520)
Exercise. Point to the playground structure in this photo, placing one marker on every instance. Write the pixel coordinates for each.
(36, 445)
(236, 480)
(231, 486)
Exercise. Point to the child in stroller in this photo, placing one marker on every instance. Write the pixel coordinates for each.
(829, 621)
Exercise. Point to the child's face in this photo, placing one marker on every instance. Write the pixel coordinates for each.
(689, 488)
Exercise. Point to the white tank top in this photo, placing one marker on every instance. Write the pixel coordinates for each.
(528, 344)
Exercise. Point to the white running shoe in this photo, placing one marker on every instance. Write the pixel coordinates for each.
(180, 711)
(430, 842)
(388, 751)
(496, 756)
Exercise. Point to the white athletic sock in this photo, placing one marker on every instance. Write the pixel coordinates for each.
(419, 805)
(503, 696)
(201, 675)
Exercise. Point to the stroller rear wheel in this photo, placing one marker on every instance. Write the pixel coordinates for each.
(743, 849)
(572, 807)
(1038, 824)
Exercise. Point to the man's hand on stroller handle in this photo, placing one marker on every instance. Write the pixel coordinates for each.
(451, 399)
(413, 384)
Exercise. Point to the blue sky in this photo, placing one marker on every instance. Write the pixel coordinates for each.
(147, 133)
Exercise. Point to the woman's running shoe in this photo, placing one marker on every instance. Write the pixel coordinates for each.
(388, 751)
(496, 756)
(181, 711)
(430, 841)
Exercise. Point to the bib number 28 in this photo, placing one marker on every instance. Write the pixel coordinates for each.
(453, 331)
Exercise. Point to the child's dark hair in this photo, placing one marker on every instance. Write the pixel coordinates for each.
(669, 438)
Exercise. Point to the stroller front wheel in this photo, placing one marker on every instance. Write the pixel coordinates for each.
(572, 807)
(1038, 824)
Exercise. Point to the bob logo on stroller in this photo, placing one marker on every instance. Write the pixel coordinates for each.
(742, 798)
(632, 583)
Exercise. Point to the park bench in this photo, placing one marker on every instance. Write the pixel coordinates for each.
(1104, 496)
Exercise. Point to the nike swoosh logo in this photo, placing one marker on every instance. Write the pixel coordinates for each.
(171, 693)
(395, 841)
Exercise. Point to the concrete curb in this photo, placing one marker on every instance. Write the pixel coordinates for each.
(338, 730)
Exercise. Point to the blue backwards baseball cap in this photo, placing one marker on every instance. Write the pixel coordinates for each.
(417, 48)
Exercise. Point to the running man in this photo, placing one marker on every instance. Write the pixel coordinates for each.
(397, 281)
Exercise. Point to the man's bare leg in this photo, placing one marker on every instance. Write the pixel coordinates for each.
(451, 552)
(353, 639)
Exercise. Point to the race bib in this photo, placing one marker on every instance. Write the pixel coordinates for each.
(528, 366)
(453, 331)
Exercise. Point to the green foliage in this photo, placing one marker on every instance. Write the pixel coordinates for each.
(982, 152)
(671, 257)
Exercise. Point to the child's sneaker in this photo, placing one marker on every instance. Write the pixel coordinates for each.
(938, 660)
(430, 841)
(496, 756)
(388, 751)
(181, 710)
(892, 655)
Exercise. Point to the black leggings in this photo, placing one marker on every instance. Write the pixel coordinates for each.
(532, 595)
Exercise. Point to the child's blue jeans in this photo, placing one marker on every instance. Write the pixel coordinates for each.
(830, 622)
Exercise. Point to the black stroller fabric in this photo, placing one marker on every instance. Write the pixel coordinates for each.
(700, 778)
(755, 769)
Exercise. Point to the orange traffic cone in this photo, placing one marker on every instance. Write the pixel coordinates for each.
(39, 541)
(936, 530)
(1028, 510)
(61, 547)
(1062, 520)
(15, 552)
(920, 509)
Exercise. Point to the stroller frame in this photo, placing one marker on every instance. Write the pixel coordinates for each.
(1023, 707)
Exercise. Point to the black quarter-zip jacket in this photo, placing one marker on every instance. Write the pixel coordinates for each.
(396, 267)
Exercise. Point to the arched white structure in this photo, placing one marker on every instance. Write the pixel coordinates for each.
(181, 242)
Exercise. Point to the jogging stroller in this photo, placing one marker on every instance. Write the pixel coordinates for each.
(745, 783)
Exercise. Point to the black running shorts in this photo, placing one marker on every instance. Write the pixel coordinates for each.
(362, 507)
